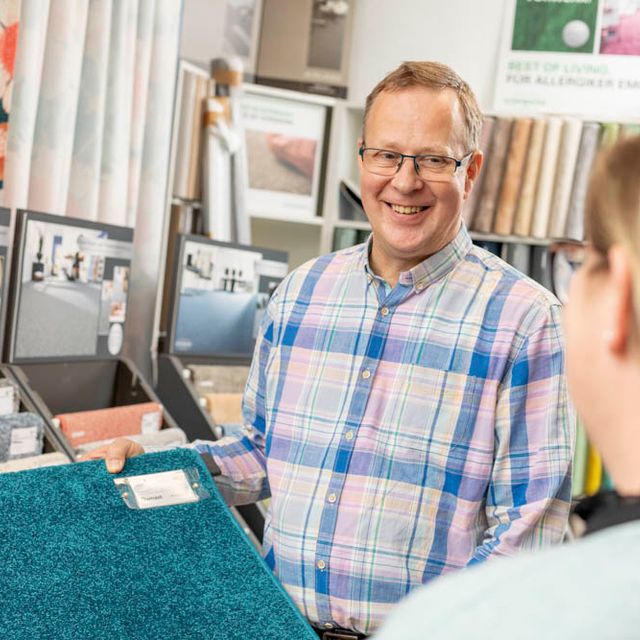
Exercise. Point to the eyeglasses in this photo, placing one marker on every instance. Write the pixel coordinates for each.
(383, 162)
(566, 258)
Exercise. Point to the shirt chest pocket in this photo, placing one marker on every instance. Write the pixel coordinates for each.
(434, 420)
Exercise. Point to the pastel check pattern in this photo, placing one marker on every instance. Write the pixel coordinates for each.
(401, 433)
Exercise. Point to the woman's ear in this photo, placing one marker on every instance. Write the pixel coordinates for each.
(621, 297)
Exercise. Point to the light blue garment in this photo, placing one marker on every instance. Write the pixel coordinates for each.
(589, 589)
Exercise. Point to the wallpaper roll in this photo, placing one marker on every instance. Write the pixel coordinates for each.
(519, 257)
(610, 133)
(527, 198)
(84, 180)
(21, 436)
(194, 182)
(471, 203)
(142, 64)
(114, 168)
(34, 18)
(579, 471)
(225, 408)
(82, 427)
(512, 179)
(57, 106)
(567, 157)
(629, 129)
(53, 459)
(593, 477)
(172, 437)
(186, 124)
(219, 378)
(541, 210)
(217, 204)
(483, 219)
(541, 266)
(586, 154)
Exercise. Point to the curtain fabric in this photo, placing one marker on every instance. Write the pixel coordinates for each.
(93, 88)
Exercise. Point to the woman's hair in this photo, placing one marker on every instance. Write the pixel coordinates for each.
(612, 212)
(433, 75)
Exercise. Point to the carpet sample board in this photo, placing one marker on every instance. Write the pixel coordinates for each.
(51, 459)
(81, 427)
(78, 563)
(21, 436)
(166, 438)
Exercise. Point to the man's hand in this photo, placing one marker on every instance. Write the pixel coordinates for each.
(115, 454)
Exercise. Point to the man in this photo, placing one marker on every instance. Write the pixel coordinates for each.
(406, 407)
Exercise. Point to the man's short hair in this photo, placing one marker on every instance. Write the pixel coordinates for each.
(433, 75)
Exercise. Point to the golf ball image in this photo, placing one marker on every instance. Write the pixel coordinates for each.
(575, 33)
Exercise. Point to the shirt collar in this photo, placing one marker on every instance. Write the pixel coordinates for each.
(432, 268)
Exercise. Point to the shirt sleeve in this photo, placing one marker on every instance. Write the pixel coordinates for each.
(529, 493)
(241, 458)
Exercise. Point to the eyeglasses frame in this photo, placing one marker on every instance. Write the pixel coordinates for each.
(457, 162)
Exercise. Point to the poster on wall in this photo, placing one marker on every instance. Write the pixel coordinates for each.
(577, 57)
(285, 145)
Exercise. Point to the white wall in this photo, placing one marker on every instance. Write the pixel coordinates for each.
(464, 34)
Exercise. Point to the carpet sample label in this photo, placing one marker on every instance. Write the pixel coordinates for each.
(23, 442)
(163, 489)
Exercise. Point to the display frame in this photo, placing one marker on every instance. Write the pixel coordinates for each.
(174, 332)
(108, 261)
(286, 139)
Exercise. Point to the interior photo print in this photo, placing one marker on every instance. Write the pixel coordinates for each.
(60, 293)
(224, 287)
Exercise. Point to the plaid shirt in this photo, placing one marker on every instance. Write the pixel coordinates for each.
(401, 433)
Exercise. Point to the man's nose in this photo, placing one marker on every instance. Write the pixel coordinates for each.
(406, 179)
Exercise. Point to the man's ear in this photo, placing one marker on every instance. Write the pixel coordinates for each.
(472, 172)
(621, 298)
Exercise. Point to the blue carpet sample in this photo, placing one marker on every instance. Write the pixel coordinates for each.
(21, 436)
(76, 562)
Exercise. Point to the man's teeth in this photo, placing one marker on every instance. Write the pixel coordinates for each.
(399, 209)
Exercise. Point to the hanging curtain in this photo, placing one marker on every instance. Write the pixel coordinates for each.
(84, 183)
(144, 41)
(9, 14)
(89, 133)
(57, 106)
(115, 147)
(34, 17)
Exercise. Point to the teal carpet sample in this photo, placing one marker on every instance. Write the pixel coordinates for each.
(76, 562)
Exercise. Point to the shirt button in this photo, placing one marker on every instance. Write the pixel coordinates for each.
(321, 565)
(420, 286)
(366, 374)
(349, 435)
(328, 625)
(384, 311)
(331, 497)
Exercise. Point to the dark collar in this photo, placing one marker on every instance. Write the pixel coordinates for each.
(607, 509)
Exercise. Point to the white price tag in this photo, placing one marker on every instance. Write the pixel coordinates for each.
(151, 422)
(7, 404)
(160, 489)
(23, 441)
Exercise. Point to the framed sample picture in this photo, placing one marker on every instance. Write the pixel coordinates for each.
(286, 141)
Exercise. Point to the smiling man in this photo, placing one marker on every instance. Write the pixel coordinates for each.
(406, 408)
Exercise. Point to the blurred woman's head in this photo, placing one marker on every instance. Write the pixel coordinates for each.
(602, 316)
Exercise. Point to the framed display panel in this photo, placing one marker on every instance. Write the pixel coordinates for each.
(219, 294)
(69, 289)
(305, 45)
(286, 138)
